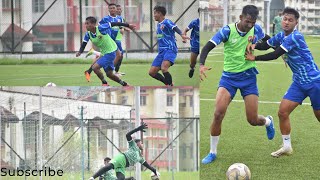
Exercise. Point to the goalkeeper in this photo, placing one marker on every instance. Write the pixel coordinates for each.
(128, 158)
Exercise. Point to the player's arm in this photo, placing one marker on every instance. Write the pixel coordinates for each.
(131, 26)
(267, 57)
(83, 44)
(183, 36)
(140, 128)
(147, 165)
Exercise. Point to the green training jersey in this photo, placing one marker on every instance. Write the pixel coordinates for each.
(133, 154)
(110, 175)
(103, 41)
(234, 51)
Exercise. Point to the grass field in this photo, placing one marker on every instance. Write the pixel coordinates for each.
(240, 142)
(144, 176)
(39, 73)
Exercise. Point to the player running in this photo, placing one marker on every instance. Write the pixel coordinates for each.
(306, 75)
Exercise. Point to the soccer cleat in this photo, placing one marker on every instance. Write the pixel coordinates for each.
(209, 158)
(122, 73)
(270, 129)
(117, 74)
(90, 52)
(86, 73)
(191, 73)
(282, 152)
(105, 84)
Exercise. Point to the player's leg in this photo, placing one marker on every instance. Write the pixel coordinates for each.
(109, 67)
(155, 68)
(315, 100)
(168, 60)
(293, 97)
(118, 63)
(223, 99)
(120, 176)
(249, 92)
(88, 72)
(117, 59)
(96, 68)
(102, 170)
(165, 71)
(193, 61)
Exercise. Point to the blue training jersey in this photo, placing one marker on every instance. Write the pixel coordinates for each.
(298, 56)
(110, 19)
(223, 35)
(194, 25)
(165, 35)
(103, 28)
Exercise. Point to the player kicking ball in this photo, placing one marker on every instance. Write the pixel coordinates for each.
(194, 42)
(306, 75)
(167, 46)
(100, 36)
(128, 158)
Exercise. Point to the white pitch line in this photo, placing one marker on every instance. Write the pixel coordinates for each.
(241, 101)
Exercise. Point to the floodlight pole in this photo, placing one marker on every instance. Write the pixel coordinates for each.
(268, 2)
(40, 131)
(138, 123)
(225, 12)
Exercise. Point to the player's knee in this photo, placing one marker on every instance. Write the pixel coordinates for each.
(152, 74)
(252, 121)
(282, 114)
(218, 116)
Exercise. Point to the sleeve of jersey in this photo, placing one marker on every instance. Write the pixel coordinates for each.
(191, 25)
(142, 160)
(103, 21)
(169, 24)
(221, 36)
(258, 33)
(86, 37)
(290, 42)
(274, 41)
(104, 28)
(131, 143)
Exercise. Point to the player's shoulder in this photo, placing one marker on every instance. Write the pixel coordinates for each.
(167, 21)
(295, 35)
(258, 27)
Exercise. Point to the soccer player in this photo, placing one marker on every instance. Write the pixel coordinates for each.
(118, 41)
(128, 158)
(109, 175)
(194, 42)
(112, 17)
(100, 36)
(167, 46)
(306, 75)
(237, 74)
(276, 28)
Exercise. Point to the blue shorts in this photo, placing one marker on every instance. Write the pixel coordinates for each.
(106, 61)
(119, 46)
(298, 92)
(195, 50)
(247, 85)
(168, 55)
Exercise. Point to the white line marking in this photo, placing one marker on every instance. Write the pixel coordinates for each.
(241, 101)
(56, 77)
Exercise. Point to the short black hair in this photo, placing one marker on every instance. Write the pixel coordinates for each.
(160, 9)
(91, 19)
(289, 10)
(118, 5)
(250, 10)
(112, 4)
(137, 140)
(107, 159)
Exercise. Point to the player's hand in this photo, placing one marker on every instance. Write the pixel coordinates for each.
(132, 26)
(122, 31)
(184, 38)
(203, 69)
(250, 48)
(78, 54)
(250, 56)
(143, 127)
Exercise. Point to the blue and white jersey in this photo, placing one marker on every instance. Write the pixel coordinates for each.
(223, 34)
(110, 19)
(298, 56)
(104, 29)
(166, 36)
(194, 25)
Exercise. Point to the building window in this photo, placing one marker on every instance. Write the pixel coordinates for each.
(38, 6)
(147, 133)
(317, 3)
(143, 91)
(162, 133)
(143, 100)
(167, 5)
(169, 100)
(154, 132)
(191, 101)
(124, 100)
(6, 4)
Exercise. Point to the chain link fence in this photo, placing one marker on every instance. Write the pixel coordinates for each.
(57, 26)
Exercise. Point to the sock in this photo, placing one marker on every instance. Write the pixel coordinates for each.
(286, 141)
(213, 144)
(123, 83)
(268, 121)
(96, 53)
(159, 77)
(104, 81)
(118, 65)
(90, 70)
(168, 78)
